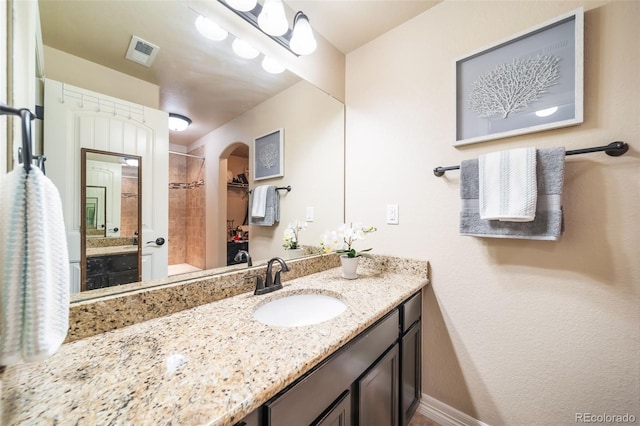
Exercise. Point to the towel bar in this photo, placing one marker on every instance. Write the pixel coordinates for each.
(279, 188)
(614, 149)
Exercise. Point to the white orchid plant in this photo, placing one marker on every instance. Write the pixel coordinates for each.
(291, 238)
(342, 240)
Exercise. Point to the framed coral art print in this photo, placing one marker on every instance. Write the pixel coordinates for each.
(528, 83)
(268, 155)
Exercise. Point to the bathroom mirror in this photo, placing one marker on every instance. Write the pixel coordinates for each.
(111, 206)
(62, 31)
(96, 211)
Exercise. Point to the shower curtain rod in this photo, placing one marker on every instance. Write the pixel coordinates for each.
(186, 155)
(614, 149)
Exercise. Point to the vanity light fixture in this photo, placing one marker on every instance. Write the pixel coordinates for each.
(178, 122)
(272, 66)
(210, 29)
(242, 5)
(244, 49)
(272, 19)
(302, 41)
(261, 17)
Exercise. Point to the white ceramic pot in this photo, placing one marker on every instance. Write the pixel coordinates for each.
(293, 253)
(349, 266)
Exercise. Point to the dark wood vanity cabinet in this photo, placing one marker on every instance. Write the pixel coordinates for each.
(111, 270)
(339, 414)
(374, 380)
(378, 392)
(411, 358)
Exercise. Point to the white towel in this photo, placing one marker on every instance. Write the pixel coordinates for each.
(46, 314)
(508, 185)
(271, 211)
(259, 201)
(12, 251)
(41, 315)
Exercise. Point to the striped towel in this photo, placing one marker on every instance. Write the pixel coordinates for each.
(35, 272)
(13, 243)
(508, 185)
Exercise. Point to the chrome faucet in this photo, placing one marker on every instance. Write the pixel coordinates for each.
(270, 283)
(240, 254)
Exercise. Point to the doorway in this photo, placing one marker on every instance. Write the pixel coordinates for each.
(237, 204)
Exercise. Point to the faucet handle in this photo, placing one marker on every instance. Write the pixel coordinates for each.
(276, 280)
(259, 282)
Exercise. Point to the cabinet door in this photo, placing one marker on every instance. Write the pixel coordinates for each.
(339, 414)
(411, 378)
(252, 419)
(378, 392)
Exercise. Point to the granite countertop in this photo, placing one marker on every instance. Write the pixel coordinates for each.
(211, 364)
(111, 250)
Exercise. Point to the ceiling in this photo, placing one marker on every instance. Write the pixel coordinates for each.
(197, 77)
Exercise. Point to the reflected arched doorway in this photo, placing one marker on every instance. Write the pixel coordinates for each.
(235, 162)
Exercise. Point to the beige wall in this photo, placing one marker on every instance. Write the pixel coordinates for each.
(313, 124)
(515, 332)
(79, 72)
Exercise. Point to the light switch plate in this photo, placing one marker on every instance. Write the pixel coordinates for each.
(392, 214)
(309, 214)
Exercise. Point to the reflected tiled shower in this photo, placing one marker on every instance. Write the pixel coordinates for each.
(186, 212)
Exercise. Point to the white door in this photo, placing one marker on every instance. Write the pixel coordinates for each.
(76, 118)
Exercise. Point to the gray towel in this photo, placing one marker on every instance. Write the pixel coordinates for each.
(272, 211)
(548, 223)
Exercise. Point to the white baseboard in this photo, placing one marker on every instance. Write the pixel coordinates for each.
(444, 414)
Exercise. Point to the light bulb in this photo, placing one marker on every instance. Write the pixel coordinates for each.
(244, 49)
(210, 29)
(272, 66)
(302, 40)
(242, 5)
(272, 19)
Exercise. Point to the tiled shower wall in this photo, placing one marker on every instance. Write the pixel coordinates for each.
(129, 202)
(195, 226)
(177, 210)
(187, 210)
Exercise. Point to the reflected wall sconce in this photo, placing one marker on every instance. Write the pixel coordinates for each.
(178, 123)
(244, 49)
(210, 29)
(133, 162)
(272, 66)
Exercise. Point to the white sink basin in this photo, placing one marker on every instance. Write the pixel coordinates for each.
(299, 309)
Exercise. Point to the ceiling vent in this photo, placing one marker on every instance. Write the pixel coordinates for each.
(141, 51)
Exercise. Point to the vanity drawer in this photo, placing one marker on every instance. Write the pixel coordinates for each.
(411, 311)
(123, 262)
